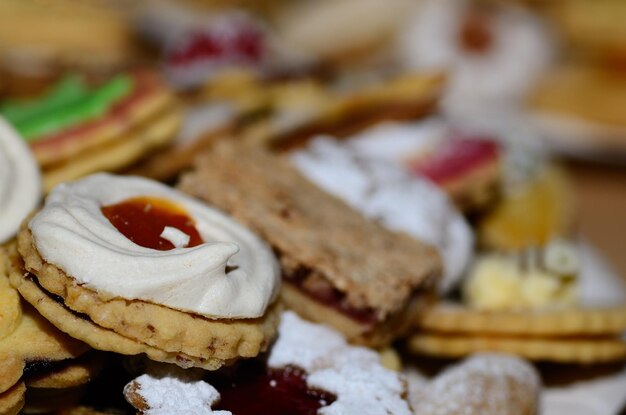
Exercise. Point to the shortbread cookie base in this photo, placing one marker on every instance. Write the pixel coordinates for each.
(12, 400)
(373, 335)
(117, 154)
(451, 318)
(583, 351)
(155, 325)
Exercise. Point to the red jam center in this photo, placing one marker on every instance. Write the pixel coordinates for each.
(259, 391)
(455, 158)
(475, 32)
(244, 45)
(143, 219)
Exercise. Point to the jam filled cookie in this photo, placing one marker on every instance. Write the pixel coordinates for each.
(20, 182)
(75, 128)
(310, 370)
(131, 266)
(338, 267)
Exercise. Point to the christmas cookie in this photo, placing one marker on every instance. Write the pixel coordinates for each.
(338, 267)
(132, 266)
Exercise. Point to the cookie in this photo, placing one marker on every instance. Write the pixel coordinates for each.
(71, 374)
(157, 287)
(59, 44)
(331, 256)
(485, 384)
(366, 172)
(20, 185)
(310, 369)
(547, 323)
(11, 369)
(12, 400)
(591, 350)
(77, 128)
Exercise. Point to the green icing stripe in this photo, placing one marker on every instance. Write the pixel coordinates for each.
(69, 103)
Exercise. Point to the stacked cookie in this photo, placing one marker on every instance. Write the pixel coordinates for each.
(34, 355)
(338, 267)
(75, 128)
(131, 266)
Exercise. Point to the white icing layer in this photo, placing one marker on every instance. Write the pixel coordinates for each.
(365, 172)
(20, 181)
(353, 374)
(72, 233)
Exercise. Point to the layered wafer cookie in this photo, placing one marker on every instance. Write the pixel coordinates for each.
(76, 128)
(338, 267)
(131, 266)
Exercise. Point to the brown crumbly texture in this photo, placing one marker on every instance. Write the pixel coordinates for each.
(566, 350)
(311, 231)
(164, 333)
(488, 384)
(454, 318)
(12, 400)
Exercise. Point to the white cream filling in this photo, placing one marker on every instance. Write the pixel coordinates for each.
(72, 233)
(366, 173)
(20, 181)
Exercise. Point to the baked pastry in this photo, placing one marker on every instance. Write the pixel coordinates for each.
(364, 173)
(310, 370)
(75, 129)
(338, 267)
(527, 304)
(33, 353)
(483, 384)
(131, 266)
(493, 52)
(577, 107)
(20, 181)
(38, 42)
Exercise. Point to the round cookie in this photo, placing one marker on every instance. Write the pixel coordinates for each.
(20, 183)
(560, 350)
(76, 127)
(484, 384)
(12, 400)
(141, 312)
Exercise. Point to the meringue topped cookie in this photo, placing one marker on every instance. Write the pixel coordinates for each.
(134, 238)
(493, 53)
(20, 181)
(383, 190)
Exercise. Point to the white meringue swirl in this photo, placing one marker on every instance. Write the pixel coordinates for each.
(72, 233)
(20, 181)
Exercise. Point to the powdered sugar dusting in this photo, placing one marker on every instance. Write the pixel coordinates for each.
(484, 384)
(177, 392)
(354, 374)
(379, 188)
